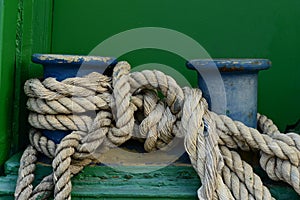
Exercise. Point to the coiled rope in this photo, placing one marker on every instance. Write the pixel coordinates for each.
(128, 106)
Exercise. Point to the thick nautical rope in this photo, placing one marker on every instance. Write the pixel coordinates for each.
(104, 113)
(276, 168)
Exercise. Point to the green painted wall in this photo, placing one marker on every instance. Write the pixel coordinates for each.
(33, 35)
(8, 18)
(243, 29)
(25, 27)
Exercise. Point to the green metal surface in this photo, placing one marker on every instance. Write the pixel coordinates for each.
(226, 29)
(8, 18)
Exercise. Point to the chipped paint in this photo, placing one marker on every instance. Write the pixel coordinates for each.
(230, 65)
(58, 58)
(231, 69)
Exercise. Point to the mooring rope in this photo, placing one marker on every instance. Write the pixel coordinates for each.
(127, 105)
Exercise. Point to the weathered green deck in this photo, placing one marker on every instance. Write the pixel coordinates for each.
(102, 182)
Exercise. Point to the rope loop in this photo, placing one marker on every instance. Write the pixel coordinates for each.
(104, 112)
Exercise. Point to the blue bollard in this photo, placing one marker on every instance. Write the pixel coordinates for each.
(230, 86)
(67, 66)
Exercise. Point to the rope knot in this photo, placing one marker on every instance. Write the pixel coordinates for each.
(127, 105)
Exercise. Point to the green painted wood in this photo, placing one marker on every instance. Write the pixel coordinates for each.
(8, 18)
(33, 36)
(226, 29)
(102, 182)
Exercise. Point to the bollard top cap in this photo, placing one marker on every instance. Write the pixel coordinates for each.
(230, 64)
(52, 59)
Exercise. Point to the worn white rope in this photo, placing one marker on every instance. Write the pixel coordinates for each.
(196, 141)
(276, 168)
(128, 106)
(68, 105)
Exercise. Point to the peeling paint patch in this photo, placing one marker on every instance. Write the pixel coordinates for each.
(69, 59)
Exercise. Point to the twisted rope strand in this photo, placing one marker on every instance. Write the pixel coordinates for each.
(127, 105)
